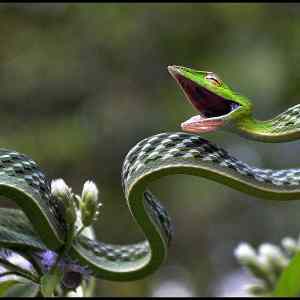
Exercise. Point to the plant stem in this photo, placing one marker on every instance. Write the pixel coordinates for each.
(79, 231)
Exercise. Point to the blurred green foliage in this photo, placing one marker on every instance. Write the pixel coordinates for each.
(80, 84)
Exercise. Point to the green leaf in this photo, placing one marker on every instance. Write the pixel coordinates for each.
(288, 284)
(16, 230)
(22, 289)
(5, 285)
(50, 281)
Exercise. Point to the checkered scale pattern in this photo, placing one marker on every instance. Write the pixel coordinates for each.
(129, 253)
(168, 148)
(23, 169)
(133, 252)
(174, 149)
(288, 120)
(160, 214)
(115, 253)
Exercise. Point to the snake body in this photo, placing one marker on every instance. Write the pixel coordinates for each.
(160, 155)
(39, 223)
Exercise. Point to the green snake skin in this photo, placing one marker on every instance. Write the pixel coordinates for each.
(287, 121)
(40, 222)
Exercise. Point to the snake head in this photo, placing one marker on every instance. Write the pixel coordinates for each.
(218, 105)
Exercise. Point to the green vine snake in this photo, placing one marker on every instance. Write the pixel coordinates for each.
(39, 223)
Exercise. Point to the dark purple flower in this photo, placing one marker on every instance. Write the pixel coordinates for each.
(73, 273)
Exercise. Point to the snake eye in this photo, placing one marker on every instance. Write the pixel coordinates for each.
(213, 78)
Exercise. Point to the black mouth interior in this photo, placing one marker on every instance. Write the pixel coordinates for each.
(207, 103)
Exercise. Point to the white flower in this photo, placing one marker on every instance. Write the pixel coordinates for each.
(245, 254)
(248, 257)
(273, 254)
(59, 188)
(290, 245)
(64, 193)
(264, 263)
(256, 264)
(89, 203)
(90, 190)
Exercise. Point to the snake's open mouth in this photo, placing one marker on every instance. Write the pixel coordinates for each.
(213, 109)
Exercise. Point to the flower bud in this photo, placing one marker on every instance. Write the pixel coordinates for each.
(60, 189)
(64, 193)
(256, 264)
(245, 254)
(274, 255)
(290, 245)
(89, 203)
(70, 213)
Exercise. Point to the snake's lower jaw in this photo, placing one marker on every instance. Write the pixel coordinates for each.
(198, 124)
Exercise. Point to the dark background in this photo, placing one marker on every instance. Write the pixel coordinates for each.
(80, 84)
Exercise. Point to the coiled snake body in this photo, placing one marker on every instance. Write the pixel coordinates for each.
(39, 223)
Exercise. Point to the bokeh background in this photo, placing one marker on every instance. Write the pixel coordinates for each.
(80, 84)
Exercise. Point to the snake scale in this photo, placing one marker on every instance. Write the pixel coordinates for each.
(39, 223)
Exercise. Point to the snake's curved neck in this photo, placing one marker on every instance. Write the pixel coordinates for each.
(270, 130)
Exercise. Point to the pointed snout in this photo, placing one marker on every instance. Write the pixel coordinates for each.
(174, 70)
